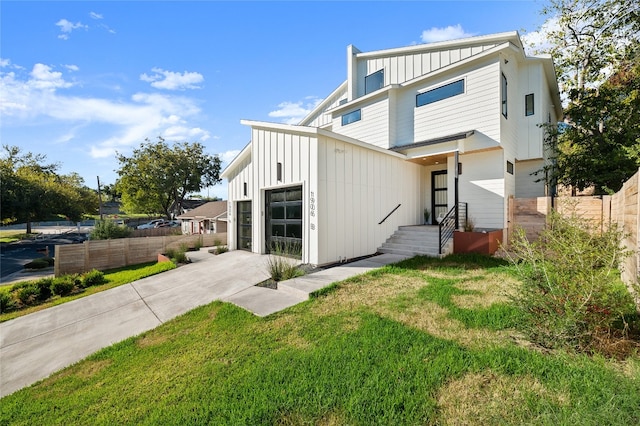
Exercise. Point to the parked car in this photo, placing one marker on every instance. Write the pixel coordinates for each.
(168, 224)
(152, 224)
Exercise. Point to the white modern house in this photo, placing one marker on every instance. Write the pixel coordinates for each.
(452, 127)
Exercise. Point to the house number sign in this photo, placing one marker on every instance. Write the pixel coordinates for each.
(312, 208)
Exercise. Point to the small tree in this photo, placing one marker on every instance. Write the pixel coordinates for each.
(571, 293)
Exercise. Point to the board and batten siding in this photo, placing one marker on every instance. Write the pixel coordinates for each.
(482, 186)
(357, 188)
(530, 135)
(373, 127)
(242, 173)
(475, 109)
(403, 67)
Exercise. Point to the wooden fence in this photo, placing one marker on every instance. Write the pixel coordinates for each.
(109, 254)
(621, 208)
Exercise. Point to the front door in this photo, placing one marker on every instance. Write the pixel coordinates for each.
(439, 204)
(244, 225)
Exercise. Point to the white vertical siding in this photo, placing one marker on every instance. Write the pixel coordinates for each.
(243, 174)
(358, 187)
(530, 134)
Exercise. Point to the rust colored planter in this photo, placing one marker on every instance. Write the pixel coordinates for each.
(485, 242)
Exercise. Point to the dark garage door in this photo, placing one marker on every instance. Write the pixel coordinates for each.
(284, 220)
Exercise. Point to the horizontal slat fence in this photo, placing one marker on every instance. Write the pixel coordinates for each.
(109, 254)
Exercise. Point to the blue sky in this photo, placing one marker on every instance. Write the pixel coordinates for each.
(82, 80)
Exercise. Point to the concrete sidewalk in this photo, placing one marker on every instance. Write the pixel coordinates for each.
(34, 346)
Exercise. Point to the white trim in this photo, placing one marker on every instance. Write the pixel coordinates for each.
(246, 151)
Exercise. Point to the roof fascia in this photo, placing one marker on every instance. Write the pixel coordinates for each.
(246, 152)
(510, 36)
(322, 104)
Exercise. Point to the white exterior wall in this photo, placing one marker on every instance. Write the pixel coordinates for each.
(526, 187)
(406, 66)
(357, 188)
(473, 110)
(373, 127)
(530, 135)
(482, 186)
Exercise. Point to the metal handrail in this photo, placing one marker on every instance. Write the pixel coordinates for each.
(390, 213)
(448, 224)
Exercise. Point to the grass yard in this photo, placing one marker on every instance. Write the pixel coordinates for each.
(423, 342)
(114, 278)
(12, 235)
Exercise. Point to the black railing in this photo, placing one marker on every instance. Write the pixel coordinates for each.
(390, 213)
(454, 219)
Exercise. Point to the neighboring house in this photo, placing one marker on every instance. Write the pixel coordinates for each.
(186, 205)
(209, 218)
(387, 141)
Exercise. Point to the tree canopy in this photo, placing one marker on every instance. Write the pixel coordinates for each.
(595, 45)
(157, 177)
(32, 190)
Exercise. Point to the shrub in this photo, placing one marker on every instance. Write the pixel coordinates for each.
(177, 255)
(571, 294)
(281, 265)
(108, 229)
(28, 294)
(39, 263)
(197, 245)
(7, 303)
(93, 277)
(44, 289)
(65, 284)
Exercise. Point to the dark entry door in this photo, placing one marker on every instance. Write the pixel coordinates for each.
(439, 204)
(244, 225)
(284, 220)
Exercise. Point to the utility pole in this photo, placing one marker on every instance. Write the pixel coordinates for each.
(99, 198)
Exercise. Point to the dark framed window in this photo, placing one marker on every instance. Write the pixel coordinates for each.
(503, 93)
(374, 81)
(509, 167)
(351, 117)
(440, 93)
(279, 171)
(343, 101)
(284, 221)
(528, 105)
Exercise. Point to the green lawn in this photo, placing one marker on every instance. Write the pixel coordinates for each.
(113, 277)
(424, 342)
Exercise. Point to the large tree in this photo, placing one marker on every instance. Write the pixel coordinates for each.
(32, 190)
(594, 44)
(157, 176)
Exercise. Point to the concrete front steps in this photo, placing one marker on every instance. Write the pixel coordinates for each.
(414, 241)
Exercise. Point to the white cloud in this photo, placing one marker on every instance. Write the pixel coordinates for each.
(170, 80)
(450, 32)
(537, 42)
(228, 156)
(95, 15)
(294, 112)
(67, 27)
(4, 63)
(72, 67)
(113, 125)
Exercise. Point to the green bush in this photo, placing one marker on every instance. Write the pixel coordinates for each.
(28, 294)
(107, 230)
(39, 263)
(281, 263)
(571, 294)
(44, 288)
(177, 255)
(7, 303)
(93, 277)
(65, 284)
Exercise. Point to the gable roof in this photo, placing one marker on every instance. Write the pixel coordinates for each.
(210, 210)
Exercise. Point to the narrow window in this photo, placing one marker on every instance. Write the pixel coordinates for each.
(374, 81)
(279, 171)
(343, 101)
(509, 167)
(245, 189)
(351, 117)
(528, 105)
(504, 95)
(440, 93)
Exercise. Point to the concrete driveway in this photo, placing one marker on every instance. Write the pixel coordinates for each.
(34, 346)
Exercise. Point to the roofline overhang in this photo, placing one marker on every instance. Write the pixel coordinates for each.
(323, 104)
(315, 132)
(434, 141)
(246, 152)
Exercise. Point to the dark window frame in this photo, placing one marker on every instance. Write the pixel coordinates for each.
(440, 93)
(373, 82)
(504, 86)
(347, 118)
(509, 167)
(529, 105)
